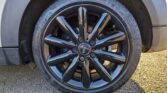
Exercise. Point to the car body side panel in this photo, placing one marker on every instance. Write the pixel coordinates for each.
(11, 19)
(11, 13)
(10, 56)
(158, 13)
(2, 5)
(160, 39)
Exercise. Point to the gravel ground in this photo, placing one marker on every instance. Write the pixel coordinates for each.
(150, 77)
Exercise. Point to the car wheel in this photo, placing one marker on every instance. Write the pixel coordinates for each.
(87, 46)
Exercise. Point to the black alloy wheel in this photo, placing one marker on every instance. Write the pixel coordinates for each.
(86, 45)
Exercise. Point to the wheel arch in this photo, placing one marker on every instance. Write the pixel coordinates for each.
(11, 12)
(11, 19)
(36, 7)
(143, 18)
(31, 15)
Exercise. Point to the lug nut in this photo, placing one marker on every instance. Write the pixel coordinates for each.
(82, 59)
(114, 26)
(80, 39)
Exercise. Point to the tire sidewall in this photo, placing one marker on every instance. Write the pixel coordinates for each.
(132, 30)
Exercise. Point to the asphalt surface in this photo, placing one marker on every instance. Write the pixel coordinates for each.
(150, 77)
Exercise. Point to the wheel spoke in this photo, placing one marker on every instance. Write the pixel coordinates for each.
(99, 26)
(86, 74)
(101, 69)
(58, 42)
(114, 38)
(83, 26)
(71, 69)
(67, 28)
(113, 57)
(52, 61)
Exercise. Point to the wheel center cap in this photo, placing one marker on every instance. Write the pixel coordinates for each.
(84, 49)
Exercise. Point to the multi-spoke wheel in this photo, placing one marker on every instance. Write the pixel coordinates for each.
(87, 45)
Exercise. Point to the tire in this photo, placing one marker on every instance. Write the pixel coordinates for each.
(128, 48)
